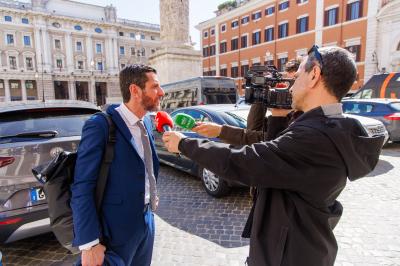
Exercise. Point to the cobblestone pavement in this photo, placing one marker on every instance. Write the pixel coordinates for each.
(193, 228)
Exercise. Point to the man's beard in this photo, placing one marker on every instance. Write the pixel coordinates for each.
(149, 104)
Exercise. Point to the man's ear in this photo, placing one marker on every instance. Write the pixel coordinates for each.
(315, 76)
(134, 90)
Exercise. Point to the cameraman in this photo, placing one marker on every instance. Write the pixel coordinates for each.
(257, 123)
(300, 173)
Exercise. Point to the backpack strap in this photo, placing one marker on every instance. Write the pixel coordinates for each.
(108, 157)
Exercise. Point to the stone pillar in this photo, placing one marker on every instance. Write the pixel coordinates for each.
(89, 52)
(217, 51)
(7, 90)
(116, 55)
(109, 55)
(23, 88)
(38, 49)
(319, 22)
(71, 89)
(174, 22)
(46, 51)
(92, 90)
(70, 56)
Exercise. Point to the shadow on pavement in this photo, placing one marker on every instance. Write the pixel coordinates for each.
(381, 168)
(185, 204)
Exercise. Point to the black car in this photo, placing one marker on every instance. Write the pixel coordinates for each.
(217, 113)
(32, 133)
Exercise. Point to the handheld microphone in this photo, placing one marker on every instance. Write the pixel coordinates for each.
(185, 121)
(163, 122)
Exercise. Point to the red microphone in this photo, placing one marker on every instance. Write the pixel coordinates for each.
(163, 122)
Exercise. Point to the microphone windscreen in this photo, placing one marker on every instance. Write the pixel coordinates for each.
(184, 121)
(163, 119)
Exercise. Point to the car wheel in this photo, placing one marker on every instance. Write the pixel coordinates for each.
(213, 184)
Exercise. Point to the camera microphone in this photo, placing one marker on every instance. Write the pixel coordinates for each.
(184, 121)
(163, 122)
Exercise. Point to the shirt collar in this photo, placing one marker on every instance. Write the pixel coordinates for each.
(130, 117)
(332, 110)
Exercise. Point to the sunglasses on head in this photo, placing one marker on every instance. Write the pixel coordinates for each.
(317, 55)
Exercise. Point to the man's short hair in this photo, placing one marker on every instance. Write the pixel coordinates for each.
(133, 74)
(339, 69)
(292, 65)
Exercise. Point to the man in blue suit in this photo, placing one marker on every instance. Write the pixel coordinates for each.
(126, 221)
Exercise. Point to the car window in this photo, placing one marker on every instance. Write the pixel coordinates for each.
(234, 119)
(357, 108)
(395, 106)
(64, 122)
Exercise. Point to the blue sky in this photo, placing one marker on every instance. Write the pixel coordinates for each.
(148, 11)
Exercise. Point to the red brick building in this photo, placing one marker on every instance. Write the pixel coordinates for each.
(269, 31)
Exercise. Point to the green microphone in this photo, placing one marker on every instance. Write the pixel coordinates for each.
(184, 121)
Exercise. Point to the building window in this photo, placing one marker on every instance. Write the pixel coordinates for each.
(144, 51)
(212, 50)
(98, 30)
(59, 63)
(256, 37)
(25, 21)
(13, 62)
(8, 18)
(223, 28)
(244, 69)
(223, 72)
(283, 30)
(331, 16)
(100, 66)
(205, 34)
(256, 16)
(133, 50)
(243, 41)
(269, 63)
(281, 64)
(245, 20)
(15, 90)
(269, 34)
(98, 48)
(31, 90)
(142, 36)
(10, 39)
(284, 5)
(121, 34)
(27, 41)
(122, 50)
(57, 44)
(205, 52)
(270, 11)
(356, 51)
(234, 72)
(354, 10)
(61, 90)
(301, 1)
(302, 25)
(234, 24)
(152, 38)
(223, 47)
(78, 27)
(82, 91)
(29, 63)
(79, 46)
(234, 44)
(132, 35)
(212, 32)
(80, 65)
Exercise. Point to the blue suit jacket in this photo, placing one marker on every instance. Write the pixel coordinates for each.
(123, 201)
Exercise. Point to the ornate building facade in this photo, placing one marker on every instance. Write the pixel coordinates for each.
(68, 50)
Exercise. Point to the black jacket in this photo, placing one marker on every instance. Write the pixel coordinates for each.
(299, 176)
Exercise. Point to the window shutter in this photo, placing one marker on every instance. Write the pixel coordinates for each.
(298, 25)
(360, 14)
(306, 23)
(348, 11)
(337, 15)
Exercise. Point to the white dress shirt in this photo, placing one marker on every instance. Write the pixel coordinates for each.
(130, 120)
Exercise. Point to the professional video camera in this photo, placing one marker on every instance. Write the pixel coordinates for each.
(264, 85)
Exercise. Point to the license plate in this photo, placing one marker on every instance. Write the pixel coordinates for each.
(37, 194)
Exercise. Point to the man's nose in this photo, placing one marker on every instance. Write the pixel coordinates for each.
(161, 92)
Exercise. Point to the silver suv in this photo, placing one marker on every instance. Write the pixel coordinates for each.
(32, 133)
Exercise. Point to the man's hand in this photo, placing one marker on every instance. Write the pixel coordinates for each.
(171, 140)
(93, 256)
(207, 129)
(280, 112)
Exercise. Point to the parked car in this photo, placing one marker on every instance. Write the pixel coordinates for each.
(385, 110)
(31, 134)
(231, 115)
(217, 113)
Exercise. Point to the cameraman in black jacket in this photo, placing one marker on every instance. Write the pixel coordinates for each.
(300, 173)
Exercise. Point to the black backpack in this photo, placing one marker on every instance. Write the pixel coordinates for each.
(57, 177)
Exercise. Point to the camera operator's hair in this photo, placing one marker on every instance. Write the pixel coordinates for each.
(293, 65)
(339, 69)
(133, 74)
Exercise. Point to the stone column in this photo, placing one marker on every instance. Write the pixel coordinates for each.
(71, 89)
(38, 50)
(116, 55)
(319, 22)
(217, 51)
(69, 51)
(23, 88)
(7, 90)
(47, 63)
(89, 52)
(109, 55)
(92, 90)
